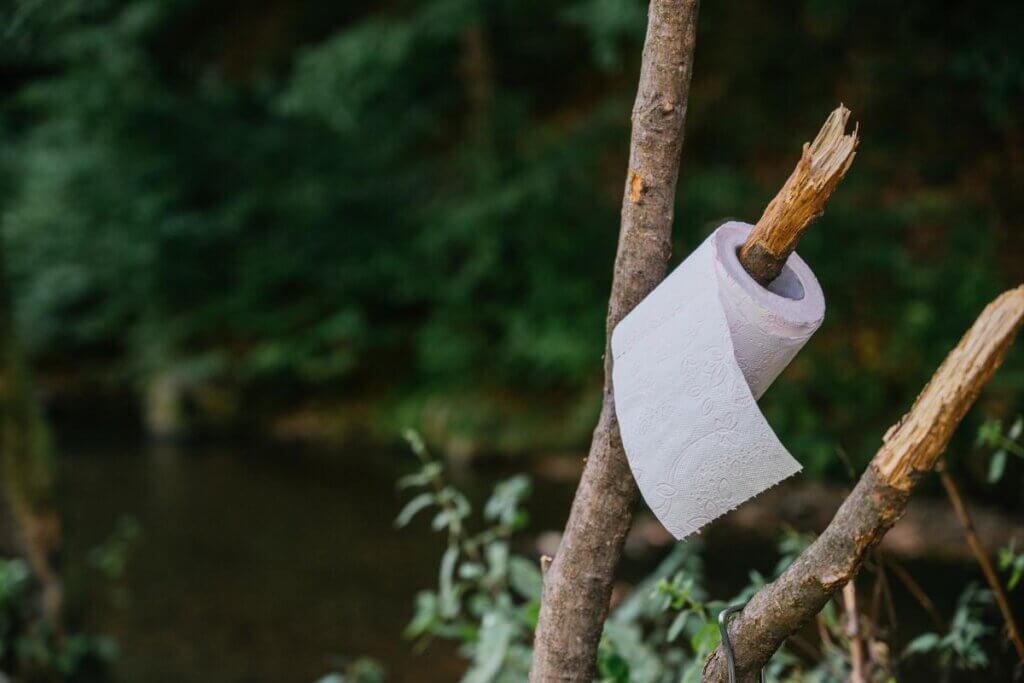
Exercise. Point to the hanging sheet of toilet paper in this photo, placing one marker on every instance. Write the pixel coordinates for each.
(690, 362)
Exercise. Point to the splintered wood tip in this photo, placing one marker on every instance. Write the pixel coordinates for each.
(822, 165)
(832, 151)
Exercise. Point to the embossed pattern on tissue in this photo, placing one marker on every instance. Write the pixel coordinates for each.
(695, 439)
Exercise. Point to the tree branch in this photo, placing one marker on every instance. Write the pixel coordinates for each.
(910, 448)
(857, 654)
(979, 554)
(822, 165)
(577, 585)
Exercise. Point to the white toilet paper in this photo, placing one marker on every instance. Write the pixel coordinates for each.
(690, 362)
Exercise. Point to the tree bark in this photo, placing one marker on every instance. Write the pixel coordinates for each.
(577, 586)
(909, 449)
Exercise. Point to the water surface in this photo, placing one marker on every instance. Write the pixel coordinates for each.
(254, 564)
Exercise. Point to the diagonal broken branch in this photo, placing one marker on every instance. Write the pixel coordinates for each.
(822, 165)
(910, 448)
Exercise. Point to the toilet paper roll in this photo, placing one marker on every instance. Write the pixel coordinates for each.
(690, 362)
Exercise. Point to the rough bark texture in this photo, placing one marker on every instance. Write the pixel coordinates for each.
(822, 165)
(577, 585)
(910, 448)
(784, 606)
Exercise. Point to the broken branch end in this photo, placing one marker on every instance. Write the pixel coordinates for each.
(823, 163)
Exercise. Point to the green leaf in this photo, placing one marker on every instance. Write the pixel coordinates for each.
(1010, 561)
(1017, 428)
(425, 618)
(525, 578)
(990, 433)
(1015, 577)
(471, 571)
(677, 625)
(706, 638)
(441, 520)
(1006, 557)
(497, 561)
(996, 466)
(503, 505)
(626, 641)
(612, 667)
(495, 637)
(415, 443)
(414, 506)
(424, 477)
(923, 643)
(448, 597)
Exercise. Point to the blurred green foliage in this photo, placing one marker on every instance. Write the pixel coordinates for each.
(962, 646)
(30, 650)
(1011, 562)
(488, 596)
(421, 200)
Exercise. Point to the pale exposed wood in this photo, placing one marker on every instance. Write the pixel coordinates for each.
(857, 660)
(879, 499)
(578, 583)
(914, 444)
(979, 553)
(822, 165)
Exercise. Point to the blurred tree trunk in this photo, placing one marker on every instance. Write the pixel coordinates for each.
(477, 71)
(31, 527)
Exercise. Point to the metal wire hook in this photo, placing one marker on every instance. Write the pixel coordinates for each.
(723, 628)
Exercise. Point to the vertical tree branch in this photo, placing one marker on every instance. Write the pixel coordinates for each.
(979, 554)
(577, 585)
(910, 448)
(857, 659)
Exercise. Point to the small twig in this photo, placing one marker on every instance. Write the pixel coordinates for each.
(890, 603)
(822, 165)
(877, 590)
(800, 643)
(914, 588)
(827, 644)
(979, 553)
(826, 638)
(891, 665)
(858, 675)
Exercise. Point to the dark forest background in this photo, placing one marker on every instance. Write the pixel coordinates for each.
(334, 220)
(276, 234)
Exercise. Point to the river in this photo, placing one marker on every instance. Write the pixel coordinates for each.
(273, 563)
(253, 563)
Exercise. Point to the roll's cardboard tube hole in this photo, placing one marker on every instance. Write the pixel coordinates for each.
(787, 284)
